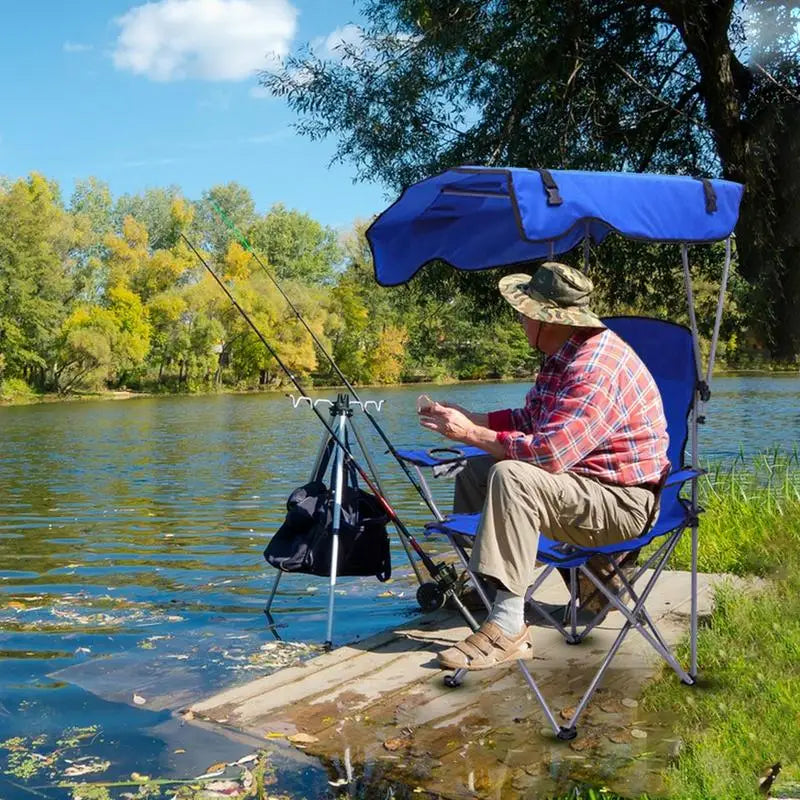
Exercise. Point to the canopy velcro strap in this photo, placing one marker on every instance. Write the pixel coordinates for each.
(710, 195)
(550, 187)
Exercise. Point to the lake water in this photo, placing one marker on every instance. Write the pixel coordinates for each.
(135, 530)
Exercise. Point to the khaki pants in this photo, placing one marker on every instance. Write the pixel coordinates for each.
(518, 500)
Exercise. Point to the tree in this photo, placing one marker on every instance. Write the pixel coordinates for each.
(36, 241)
(687, 86)
(161, 212)
(91, 209)
(236, 203)
(295, 245)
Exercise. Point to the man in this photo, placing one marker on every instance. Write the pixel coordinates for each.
(581, 462)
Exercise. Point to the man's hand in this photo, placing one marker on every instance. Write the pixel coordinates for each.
(461, 425)
(476, 417)
(451, 421)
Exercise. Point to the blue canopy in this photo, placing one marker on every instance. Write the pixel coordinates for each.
(481, 217)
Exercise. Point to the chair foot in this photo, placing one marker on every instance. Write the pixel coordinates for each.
(566, 734)
(573, 638)
(452, 681)
(328, 646)
(689, 682)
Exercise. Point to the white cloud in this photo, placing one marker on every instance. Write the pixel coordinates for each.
(76, 47)
(216, 40)
(330, 46)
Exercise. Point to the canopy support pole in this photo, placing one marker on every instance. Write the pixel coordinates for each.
(687, 279)
(694, 445)
(701, 395)
(720, 302)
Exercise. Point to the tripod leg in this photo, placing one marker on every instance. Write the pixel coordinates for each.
(335, 522)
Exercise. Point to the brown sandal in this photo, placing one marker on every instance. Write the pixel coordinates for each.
(487, 647)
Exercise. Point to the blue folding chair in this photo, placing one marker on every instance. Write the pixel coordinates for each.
(666, 349)
(476, 218)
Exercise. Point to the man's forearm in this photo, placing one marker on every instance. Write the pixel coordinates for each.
(480, 419)
(486, 439)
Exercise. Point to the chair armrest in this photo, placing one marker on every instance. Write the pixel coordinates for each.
(683, 475)
(433, 456)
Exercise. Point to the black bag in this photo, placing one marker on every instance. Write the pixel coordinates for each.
(304, 542)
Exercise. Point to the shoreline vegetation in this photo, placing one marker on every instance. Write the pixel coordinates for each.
(18, 393)
(103, 294)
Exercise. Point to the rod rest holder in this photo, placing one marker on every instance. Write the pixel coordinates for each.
(364, 405)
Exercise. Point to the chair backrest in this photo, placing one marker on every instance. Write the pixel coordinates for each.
(667, 351)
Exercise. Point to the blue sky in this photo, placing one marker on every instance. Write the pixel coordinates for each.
(151, 94)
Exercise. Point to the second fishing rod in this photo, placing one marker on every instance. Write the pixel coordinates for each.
(443, 574)
(342, 377)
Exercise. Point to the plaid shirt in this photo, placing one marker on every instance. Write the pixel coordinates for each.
(594, 410)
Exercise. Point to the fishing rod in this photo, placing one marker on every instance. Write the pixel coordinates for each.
(444, 575)
(350, 388)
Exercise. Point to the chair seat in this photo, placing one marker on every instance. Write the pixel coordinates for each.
(568, 555)
(434, 456)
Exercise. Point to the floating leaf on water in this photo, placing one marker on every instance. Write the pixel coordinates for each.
(629, 702)
(567, 713)
(398, 743)
(179, 750)
(387, 593)
(611, 706)
(222, 788)
(582, 743)
(139, 700)
(88, 767)
(210, 774)
(338, 782)
(638, 733)
(217, 767)
(620, 736)
(139, 778)
(302, 738)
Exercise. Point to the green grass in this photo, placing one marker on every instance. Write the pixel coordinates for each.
(745, 714)
(752, 513)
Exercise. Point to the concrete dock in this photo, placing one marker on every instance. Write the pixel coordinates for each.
(381, 705)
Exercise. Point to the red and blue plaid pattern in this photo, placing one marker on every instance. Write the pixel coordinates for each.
(594, 410)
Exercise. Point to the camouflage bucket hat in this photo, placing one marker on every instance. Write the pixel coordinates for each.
(556, 293)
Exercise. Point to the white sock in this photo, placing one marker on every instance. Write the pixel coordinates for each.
(508, 612)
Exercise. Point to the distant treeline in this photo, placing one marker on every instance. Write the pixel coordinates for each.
(102, 293)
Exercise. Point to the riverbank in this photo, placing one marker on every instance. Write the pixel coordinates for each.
(13, 393)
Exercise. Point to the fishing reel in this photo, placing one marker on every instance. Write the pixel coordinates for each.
(432, 594)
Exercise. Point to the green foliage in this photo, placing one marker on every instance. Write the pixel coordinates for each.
(294, 245)
(752, 513)
(36, 239)
(688, 88)
(743, 719)
(15, 390)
